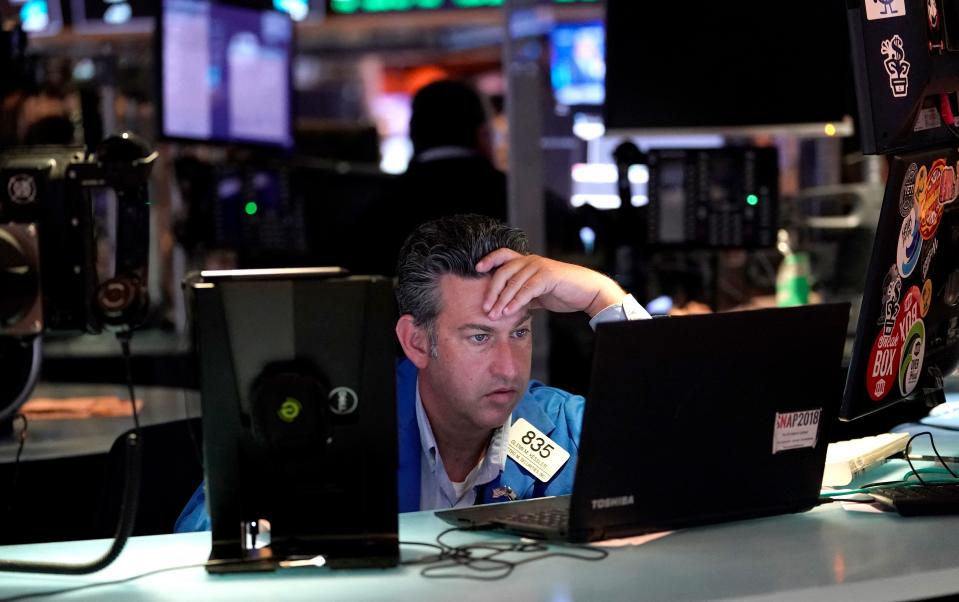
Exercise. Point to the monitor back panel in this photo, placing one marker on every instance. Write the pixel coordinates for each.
(298, 395)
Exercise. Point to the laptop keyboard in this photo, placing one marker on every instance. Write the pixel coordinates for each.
(554, 518)
(919, 500)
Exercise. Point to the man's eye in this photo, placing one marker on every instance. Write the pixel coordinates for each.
(521, 333)
(479, 338)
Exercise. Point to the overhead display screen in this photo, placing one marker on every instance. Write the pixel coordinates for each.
(350, 7)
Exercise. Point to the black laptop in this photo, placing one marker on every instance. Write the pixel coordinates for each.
(693, 420)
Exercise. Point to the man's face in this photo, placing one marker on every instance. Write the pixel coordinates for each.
(482, 366)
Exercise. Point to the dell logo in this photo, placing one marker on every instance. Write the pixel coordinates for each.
(343, 400)
(612, 502)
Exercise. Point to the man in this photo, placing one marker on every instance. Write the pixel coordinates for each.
(465, 289)
(466, 285)
(451, 171)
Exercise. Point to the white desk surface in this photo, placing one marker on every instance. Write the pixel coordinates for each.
(825, 554)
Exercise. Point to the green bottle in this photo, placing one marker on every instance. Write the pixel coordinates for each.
(792, 280)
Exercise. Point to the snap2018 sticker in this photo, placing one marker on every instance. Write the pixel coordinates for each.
(930, 209)
(913, 351)
(926, 298)
(909, 245)
(885, 9)
(796, 430)
(907, 195)
(897, 67)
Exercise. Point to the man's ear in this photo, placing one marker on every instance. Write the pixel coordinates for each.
(414, 341)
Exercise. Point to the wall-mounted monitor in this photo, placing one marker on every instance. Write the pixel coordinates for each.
(746, 65)
(350, 7)
(112, 16)
(577, 63)
(39, 17)
(225, 73)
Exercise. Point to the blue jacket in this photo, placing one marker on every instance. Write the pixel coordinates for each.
(556, 413)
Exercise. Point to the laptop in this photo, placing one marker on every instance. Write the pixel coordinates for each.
(694, 420)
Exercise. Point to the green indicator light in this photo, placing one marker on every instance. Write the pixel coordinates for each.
(752, 199)
(251, 208)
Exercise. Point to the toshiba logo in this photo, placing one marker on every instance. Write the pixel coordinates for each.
(612, 502)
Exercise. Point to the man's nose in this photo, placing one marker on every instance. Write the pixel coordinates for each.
(505, 363)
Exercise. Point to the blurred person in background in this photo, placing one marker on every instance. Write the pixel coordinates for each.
(451, 171)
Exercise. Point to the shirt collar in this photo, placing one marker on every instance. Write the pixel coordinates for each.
(493, 462)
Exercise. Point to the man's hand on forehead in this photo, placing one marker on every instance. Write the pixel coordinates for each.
(521, 281)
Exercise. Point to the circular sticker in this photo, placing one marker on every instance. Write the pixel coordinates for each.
(919, 192)
(926, 299)
(947, 191)
(881, 369)
(930, 209)
(885, 356)
(909, 246)
(913, 351)
(908, 191)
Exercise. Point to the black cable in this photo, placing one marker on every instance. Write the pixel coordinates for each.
(16, 462)
(935, 451)
(128, 508)
(133, 466)
(124, 337)
(490, 567)
(425, 559)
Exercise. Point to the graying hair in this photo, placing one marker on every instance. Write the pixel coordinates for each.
(449, 245)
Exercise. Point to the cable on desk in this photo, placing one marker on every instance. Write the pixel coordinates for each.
(904, 481)
(484, 559)
(133, 465)
(932, 441)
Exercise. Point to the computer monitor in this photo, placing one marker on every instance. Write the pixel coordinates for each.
(115, 16)
(907, 338)
(350, 7)
(906, 59)
(677, 67)
(224, 73)
(39, 17)
(299, 416)
(577, 64)
(255, 214)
